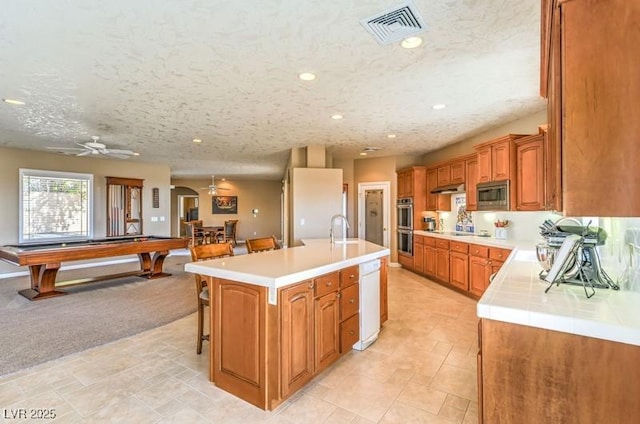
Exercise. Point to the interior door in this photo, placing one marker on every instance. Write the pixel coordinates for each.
(374, 216)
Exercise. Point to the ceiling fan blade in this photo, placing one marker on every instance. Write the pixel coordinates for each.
(85, 153)
(66, 148)
(117, 155)
(222, 189)
(118, 152)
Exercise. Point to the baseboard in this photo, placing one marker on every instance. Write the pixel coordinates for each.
(394, 265)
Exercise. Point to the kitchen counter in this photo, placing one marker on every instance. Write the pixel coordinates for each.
(517, 296)
(280, 268)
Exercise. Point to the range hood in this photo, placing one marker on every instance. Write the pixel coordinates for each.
(449, 189)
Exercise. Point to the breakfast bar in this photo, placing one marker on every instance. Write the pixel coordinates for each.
(279, 318)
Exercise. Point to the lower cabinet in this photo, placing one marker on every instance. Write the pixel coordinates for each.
(327, 330)
(442, 260)
(384, 276)
(296, 326)
(459, 264)
(479, 273)
(532, 375)
(418, 253)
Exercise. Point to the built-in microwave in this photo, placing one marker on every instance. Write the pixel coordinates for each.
(493, 196)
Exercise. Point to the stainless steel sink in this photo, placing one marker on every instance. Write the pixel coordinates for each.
(463, 234)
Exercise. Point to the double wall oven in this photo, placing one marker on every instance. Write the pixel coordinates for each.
(405, 225)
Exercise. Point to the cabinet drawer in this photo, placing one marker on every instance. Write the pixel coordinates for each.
(456, 246)
(349, 276)
(349, 301)
(442, 244)
(418, 239)
(429, 241)
(477, 250)
(499, 254)
(327, 283)
(349, 333)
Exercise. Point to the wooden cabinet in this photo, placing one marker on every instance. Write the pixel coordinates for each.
(442, 260)
(412, 182)
(384, 299)
(459, 265)
(458, 174)
(297, 334)
(501, 158)
(444, 175)
(593, 104)
(479, 269)
(124, 206)
(530, 194)
(484, 164)
(471, 183)
(349, 308)
(327, 328)
(436, 202)
(429, 256)
(532, 375)
(418, 253)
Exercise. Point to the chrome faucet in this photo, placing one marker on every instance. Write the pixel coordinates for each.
(333, 219)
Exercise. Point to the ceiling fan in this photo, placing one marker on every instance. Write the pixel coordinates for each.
(213, 188)
(94, 148)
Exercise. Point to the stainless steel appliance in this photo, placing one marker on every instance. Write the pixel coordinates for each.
(493, 196)
(405, 242)
(429, 224)
(405, 213)
(405, 225)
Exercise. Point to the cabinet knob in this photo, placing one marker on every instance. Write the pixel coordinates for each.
(329, 283)
(352, 276)
(352, 332)
(311, 285)
(352, 301)
(338, 295)
(500, 255)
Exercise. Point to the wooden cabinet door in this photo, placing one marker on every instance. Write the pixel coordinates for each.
(418, 256)
(327, 330)
(471, 182)
(459, 264)
(384, 301)
(458, 172)
(430, 261)
(484, 164)
(296, 328)
(401, 184)
(479, 272)
(600, 147)
(442, 265)
(501, 161)
(444, 175)
(432, 182)
(530, 173)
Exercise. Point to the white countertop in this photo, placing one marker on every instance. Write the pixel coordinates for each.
(279, 268)
(517, 295)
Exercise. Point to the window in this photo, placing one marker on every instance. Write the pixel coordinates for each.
(55, 206)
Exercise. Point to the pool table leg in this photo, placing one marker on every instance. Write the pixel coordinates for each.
(152, 268)
(43, 282)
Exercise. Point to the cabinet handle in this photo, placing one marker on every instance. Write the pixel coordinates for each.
(352, 276)
(500, 255)
(311, 285)
(328, 283)
(352, 301)
(352, 332)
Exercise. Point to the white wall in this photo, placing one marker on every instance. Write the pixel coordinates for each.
(316, 197)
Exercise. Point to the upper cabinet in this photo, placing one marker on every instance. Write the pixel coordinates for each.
(457, 173)
(412, 183)
(530, 193)
(471, 168)
(590, 75)
(496, 159)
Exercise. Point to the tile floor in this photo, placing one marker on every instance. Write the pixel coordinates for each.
(422, 369)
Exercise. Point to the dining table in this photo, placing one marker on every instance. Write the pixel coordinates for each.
(211, 232)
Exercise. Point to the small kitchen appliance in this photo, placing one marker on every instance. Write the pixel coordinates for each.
(429, 224)
(569, 256)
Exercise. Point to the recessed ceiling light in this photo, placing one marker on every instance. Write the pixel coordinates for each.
(136, 154)
(363, 153)
(411, 42)
(336, 116)
(307, 76)
(391, 136)
(13, 101)
(439, 106)
(197, 140)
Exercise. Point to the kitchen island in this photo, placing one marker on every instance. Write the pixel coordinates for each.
(279, 318)
(557, 356)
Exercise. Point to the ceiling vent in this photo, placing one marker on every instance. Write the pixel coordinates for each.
(396, 24)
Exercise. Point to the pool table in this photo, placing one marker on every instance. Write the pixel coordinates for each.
(44, 259)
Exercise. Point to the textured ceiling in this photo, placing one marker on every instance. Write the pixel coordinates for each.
(151, 75)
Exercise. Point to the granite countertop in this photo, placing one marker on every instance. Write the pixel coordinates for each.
(279, 268)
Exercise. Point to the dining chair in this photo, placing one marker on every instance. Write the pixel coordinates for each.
(201, 253)
(229, 234)
(262, 244)
(195, 233)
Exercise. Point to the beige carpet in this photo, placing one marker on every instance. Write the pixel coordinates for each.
(91, 314)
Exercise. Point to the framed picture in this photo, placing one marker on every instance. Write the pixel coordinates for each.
(224, 204)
